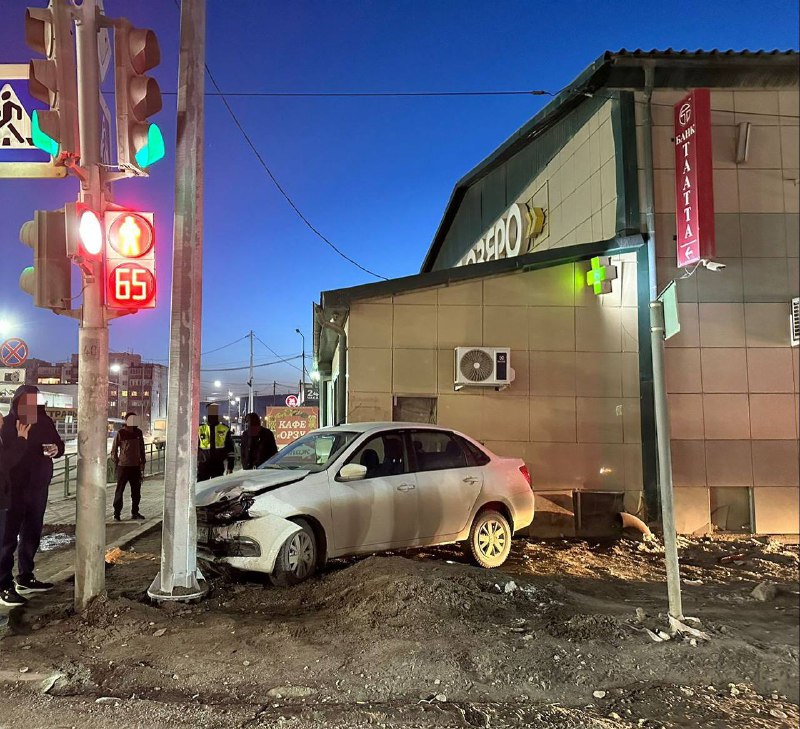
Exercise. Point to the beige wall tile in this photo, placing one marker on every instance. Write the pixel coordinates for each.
(729, 463)
(463, 411)
(445, 363)
(630, 286)
(553, 419)
(414, 371)
(459, 326)
(601, 466)
(796, 367)
(370, 370)
(762, 105)
(521, 364)
(726, 417)
(553, 373)
(788, 105)
(414, 326)
(508, 448)
(667, 270)
(692, 511)
(792, 221)
(630, 375)
(598, 330)
(790, 148)
(599, 374)
(770, 370)
(765, 148)
(765, 279)
(423, 297)
(665, 232)
(723, 145)
(551, 328)
(632, 420)
(629, 321)
(368, 407)
(763, 235)
(776, 510)
(766, 325)
(689, 335)
(505, 326)
(791, 198)
(727, 234)
(760, 191)
(551, 286)
(605, 135)
(554, 465)
(634, 478)
(599, 420)
(506, 418)
(683, 371)
(773, 417)
(686, 416)
(721, 286)
(722, 325)
(775, 463)
(664, 191)
(609, 217)
(470, 292)
(688, 463)
(370, 325)
(727, 186)
(663, 148)
(595, 193)
(724, 370)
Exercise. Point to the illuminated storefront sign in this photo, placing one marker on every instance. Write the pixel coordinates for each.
(508, 237)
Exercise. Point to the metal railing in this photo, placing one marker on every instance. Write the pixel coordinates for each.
(65, 470)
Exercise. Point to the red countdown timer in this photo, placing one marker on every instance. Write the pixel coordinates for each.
(130, 262)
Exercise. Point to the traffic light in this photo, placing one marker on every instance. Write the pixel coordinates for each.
(139, 142)
(54, 81)
(84, 233)
(49, 280)
(130, 260)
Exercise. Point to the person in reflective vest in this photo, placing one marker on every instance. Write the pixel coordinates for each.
(216, 447)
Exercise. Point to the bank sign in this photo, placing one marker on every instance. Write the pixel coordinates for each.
(508, 237)
(694, 182)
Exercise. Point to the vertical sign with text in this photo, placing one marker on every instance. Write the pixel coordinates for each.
(694, 183)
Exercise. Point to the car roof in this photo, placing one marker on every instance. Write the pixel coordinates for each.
(368, 427)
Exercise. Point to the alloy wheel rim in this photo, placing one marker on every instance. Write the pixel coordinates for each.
(301, 555)
(491, 539)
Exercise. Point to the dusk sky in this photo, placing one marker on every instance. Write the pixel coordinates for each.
(373, 174)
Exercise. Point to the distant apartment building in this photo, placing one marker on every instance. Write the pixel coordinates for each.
(133, 385)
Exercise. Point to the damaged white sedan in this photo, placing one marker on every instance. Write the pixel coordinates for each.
(363, 488)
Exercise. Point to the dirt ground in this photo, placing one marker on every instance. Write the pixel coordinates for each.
(422, 639)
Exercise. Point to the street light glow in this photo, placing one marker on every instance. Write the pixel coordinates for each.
(217, 384)
(115, 367)
(5, 328)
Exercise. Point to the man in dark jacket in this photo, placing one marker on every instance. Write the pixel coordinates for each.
(11, 451)
(128, 454)
(258, 443)
(29, 484)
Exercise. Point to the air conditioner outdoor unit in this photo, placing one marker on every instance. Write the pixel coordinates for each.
(483, 367)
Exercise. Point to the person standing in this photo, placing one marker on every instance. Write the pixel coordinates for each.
(216, 447)
(29, 481)
(128, 454)
(258, 443)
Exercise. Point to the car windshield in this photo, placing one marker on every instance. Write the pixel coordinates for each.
(313, 452)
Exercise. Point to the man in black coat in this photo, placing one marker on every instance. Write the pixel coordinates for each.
(129, 458)
(258, 443)
(29, 485)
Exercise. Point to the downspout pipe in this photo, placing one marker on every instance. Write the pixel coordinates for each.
(649, 180)
(341, 390)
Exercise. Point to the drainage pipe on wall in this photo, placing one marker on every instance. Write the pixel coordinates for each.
(649, 181)
(340, 415)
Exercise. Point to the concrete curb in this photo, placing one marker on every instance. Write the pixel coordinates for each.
(147, 526)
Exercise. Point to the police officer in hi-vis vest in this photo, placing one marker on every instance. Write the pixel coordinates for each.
(216, 447)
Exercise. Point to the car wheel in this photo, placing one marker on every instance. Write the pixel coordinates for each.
(490, 539)
(297, 559)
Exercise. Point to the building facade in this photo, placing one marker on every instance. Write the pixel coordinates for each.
(591, 181)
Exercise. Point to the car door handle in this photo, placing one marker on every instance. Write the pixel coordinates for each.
(470, 479)
(406, 487)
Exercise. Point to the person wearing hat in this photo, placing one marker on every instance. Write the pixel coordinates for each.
(216, 447)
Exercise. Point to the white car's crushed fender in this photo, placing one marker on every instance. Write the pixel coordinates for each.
(268, 531)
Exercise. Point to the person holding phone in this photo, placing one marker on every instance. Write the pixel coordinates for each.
(29, 482)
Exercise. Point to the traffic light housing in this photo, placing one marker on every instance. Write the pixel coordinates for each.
(130, 261)
(48, 31)
(49, 280)
(140, 142)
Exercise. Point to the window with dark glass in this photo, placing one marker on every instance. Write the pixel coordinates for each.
(382, 455)
(436, 450)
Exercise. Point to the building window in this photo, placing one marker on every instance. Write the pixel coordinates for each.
(147, 393)
(134, 393)
(124, 393)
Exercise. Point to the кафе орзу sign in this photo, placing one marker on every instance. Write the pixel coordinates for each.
(509, 236)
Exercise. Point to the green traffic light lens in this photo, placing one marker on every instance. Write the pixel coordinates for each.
(40, 139)
(154, 149)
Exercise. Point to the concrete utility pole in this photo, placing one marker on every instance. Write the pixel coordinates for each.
(179, 577)
(303, 372)
(250, 379)
(90, 527)
(657, 333)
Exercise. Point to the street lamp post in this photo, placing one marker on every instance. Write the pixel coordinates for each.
(303, 395)
(115, 368)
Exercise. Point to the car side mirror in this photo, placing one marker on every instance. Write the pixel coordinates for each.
(353, 472)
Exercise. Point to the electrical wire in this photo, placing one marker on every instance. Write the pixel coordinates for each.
(239, 369)
(363, 94)
(276, 354)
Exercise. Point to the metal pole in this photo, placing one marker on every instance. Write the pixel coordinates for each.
(90, 525)
(179, 577)
(250, 380)
(665, 461)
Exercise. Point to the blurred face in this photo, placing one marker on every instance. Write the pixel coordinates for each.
(132, 421)
(27, 408)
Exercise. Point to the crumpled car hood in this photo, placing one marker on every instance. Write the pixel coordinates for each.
(230, 487)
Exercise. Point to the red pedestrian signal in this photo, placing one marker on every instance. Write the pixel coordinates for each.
(130, 260)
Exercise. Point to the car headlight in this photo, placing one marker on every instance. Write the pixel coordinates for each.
(232, 511)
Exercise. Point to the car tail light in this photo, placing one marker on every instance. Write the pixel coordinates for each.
(526, 473)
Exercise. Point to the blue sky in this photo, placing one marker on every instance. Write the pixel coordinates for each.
(374, 175)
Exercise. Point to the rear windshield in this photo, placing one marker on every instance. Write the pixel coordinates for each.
(313, 452)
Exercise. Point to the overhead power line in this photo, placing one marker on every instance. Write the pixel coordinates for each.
(283, 359)
(239, 369)
(361, 94)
